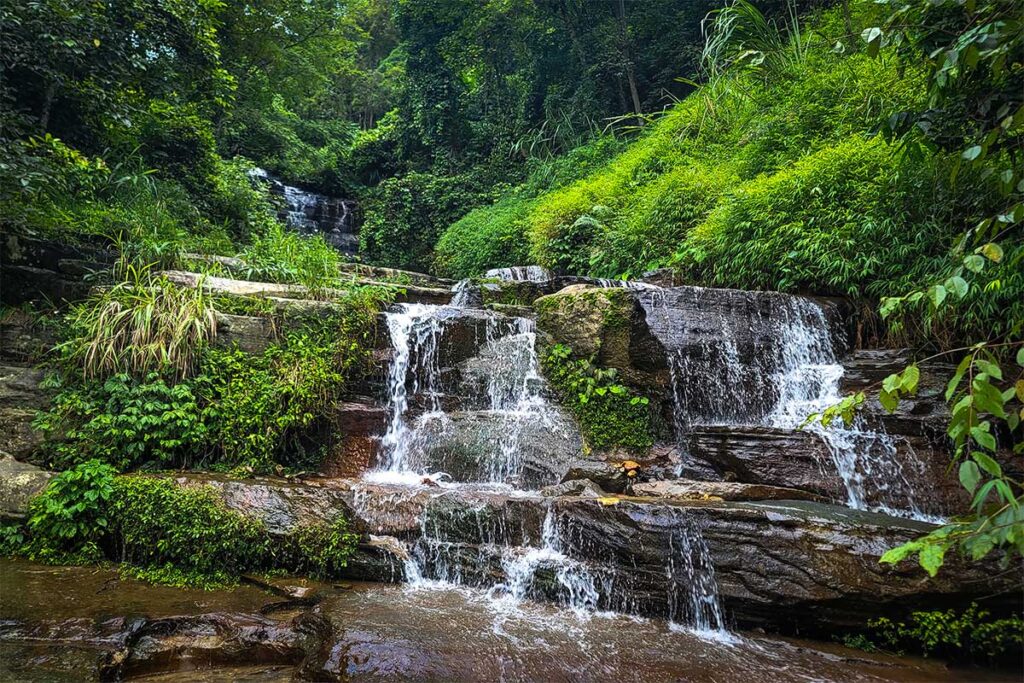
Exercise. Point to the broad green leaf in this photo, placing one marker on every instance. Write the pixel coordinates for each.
(889, 400)
(972, 153)
(974, 263)
(873, 37)
(989, 368)
(937, 294)
(900, 552)
(954, 381)
(1020, 356)
(1019, 390)
(958, 285)
(992, 251)
(986, 463)
(969, 475)
(909, 379)
(891, 383)
(931, 557)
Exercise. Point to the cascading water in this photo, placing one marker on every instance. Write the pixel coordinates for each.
(482, 529)
(520, 274)
(503, 376)
(311, 213)
(786, 369)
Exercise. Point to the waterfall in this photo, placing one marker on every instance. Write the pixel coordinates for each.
(485, 528)
(520, 274)
(503, 376)
(769, 360)
(311, 213)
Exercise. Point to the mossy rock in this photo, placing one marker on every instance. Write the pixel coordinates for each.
(609, 325)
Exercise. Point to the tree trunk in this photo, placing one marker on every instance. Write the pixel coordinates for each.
(627, 55)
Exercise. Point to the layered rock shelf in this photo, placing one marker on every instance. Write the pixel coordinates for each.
(458, 465)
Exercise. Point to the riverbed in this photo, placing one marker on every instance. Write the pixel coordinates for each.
(57, 624)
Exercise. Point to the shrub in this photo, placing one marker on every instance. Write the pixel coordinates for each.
(816, 225)
(182, 534)
(140, 325)
(68, 520)
(125, 422)
(167, 532)
(491, 237)
(282, 255)
(405, 216)
(970, 634)
(319, 550)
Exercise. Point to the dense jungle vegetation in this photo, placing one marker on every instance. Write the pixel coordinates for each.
(871, 150)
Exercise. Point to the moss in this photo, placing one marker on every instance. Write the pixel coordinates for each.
(166, 532)
(610, 415)
(182, 534)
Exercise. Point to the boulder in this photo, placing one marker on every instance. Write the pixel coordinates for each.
(231, 287)
(574, 487)
(25, 337)
(251, 334)
(608, 324)
(605, 475)
(20, 482)
(90, 623)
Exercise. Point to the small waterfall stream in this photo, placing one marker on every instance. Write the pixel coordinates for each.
(786, 369)
(311, 213)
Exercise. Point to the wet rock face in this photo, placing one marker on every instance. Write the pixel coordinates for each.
(463, 445)
(21, 396)
(789, 565)
(86, 623)
(692, 490)
(785, 565)
(44, 271)
(310, 213)
(801, 460)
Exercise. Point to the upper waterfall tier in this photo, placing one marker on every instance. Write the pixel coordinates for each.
(466, 399)
(315, 214)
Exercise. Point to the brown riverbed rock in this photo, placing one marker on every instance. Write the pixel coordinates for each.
(689, 489)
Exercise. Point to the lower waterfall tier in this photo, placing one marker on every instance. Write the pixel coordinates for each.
(792, 565)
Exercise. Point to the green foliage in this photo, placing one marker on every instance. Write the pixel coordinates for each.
(142, 324)
(282, 255)
(181, 534)
(981, 406)
(70, 517)
(485, 238)
(165, 531)
(405, 216)
(971, 634)
(496, 236)
(233, 408)
(125, 422)
(611, 414)
(319, 550)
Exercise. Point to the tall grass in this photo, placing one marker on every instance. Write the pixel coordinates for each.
(281, 255)
(141, 324)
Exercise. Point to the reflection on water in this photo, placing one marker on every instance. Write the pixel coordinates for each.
(52, 625)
